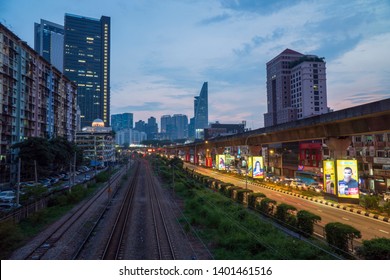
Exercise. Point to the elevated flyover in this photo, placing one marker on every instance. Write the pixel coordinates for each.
(369, 118)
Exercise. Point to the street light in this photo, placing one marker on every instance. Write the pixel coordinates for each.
(270, 153)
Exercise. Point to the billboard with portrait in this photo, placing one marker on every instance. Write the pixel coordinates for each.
(347, 179)
(329, 176)
(258, 167)
(220, 162)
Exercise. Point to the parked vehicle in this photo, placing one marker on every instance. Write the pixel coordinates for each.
(315, 187)
(7, 196)
(8, 206)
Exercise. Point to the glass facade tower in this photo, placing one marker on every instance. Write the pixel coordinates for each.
(49, 42)
(87, 63)
(201, 111)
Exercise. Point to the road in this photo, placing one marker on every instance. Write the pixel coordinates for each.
(369, 227)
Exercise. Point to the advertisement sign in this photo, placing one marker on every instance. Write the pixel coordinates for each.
(220, 162)
(258, 167)
(347, 179)
(329, 177)
(249, 168)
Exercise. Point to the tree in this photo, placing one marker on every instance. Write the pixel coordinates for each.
(34, 149)
(340, 235)
(375, 249)
(306, 221)
(63, 152)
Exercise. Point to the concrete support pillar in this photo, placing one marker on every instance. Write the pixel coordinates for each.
(338, 146)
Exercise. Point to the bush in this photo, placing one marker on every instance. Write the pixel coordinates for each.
(306, 221)
(266, 206)
(252, 198)
(241, 195)
(375, 249)
(386, 207)
(283, 213)
(339, 235)
(369, 202)
(10, 234)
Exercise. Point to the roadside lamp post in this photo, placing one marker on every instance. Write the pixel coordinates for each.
(270, 153)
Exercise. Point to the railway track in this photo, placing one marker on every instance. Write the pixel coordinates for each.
(115, 244)
(65, 225)
(165, 246)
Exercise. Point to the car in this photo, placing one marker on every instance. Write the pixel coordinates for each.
(317, 187)
(8, 206)
(365, 192)
(7, 196)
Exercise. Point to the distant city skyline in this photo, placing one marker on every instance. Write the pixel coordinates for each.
(161, 51)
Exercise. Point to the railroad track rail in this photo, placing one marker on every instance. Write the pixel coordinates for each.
(114, 248)
(165, 245)
(63, 226)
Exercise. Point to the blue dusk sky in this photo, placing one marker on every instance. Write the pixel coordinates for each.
(163, 50)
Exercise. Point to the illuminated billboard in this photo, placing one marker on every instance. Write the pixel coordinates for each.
(347, 179)
(258, 167)
(249, 168)
(329, 177)
(220, 162)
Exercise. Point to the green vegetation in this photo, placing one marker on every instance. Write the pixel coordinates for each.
(375, 249)
(14, 235)
(231, 230)
(50, 155)
(340, 235)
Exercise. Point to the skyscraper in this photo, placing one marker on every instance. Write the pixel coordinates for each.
(201, 111)
(49, 42)
(87, 63)
(296, 87)
(121, 121)
(180, 125)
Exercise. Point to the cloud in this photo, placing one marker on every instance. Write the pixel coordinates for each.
(259, 6)
(361, 74)
(215, 19)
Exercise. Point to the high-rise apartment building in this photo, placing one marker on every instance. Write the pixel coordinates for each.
(36, 99)
(49, 42)
(201, 111)
(151, 128)
(296, 87)
(87, 63)
(174, 127)
(180, 124)
(121, 121)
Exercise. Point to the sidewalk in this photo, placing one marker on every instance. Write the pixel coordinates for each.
(320, 199)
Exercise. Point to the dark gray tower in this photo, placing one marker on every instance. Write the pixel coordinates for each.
(87, 63)
(201, 111)
(49, 42)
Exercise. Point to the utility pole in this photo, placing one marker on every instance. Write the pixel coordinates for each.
(36, 173)
(18, 182)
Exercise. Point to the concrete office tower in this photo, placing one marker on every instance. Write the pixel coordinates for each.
(296, 87)
(201, 112)
(121, 121)
(49, 42)
(87, 63)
